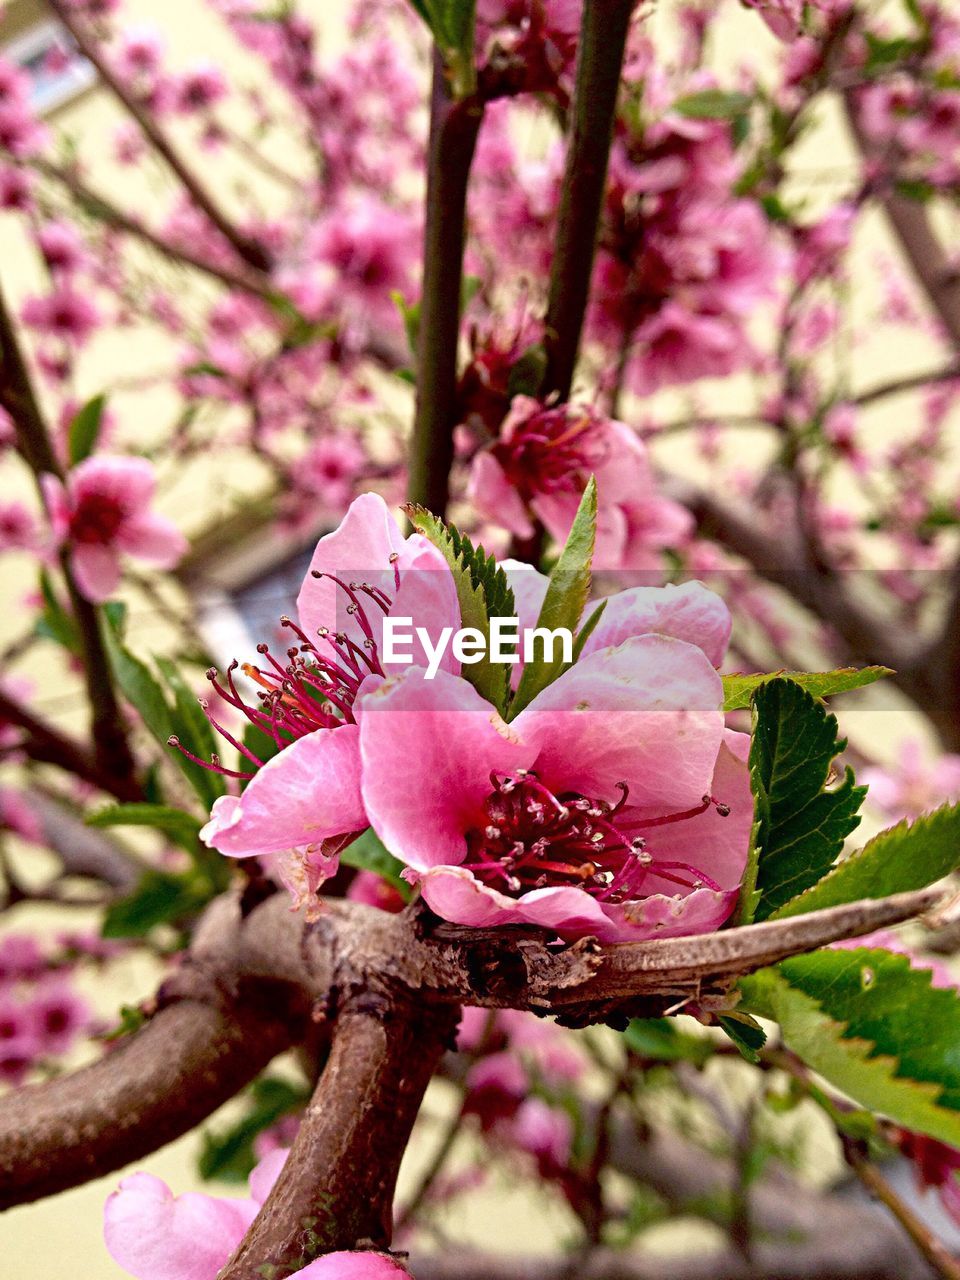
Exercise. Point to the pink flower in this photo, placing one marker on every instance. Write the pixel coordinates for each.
(60, 1014)
(65, 313)
(200, 88)
(103, 511)
(615, 804)
(914, 785)
(936, 1165)
(155, 1235)
(540, 465)
(677, 346)
(61, 247)
(309, 793)
(18, 528)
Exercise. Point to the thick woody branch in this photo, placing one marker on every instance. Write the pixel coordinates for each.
(336, 1189)
(248, 249)
(454, 126)
(264, 970)
(18, 398)
(603, 36)
(222, 1019)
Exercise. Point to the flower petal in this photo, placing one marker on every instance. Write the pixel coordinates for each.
(157, 1236)
(96, 569)
(646, 713)
(427, 749)
(495, 498)
(307, 793)
(688, 612)
(352, 1266)
(152, 538)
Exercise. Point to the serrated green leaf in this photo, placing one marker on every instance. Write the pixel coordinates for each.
(183, 828)
(193, 729)
(84, 430)
(745, 1032)
(874, 1028)
(908, 856)
(369, 853)
(483, 593)
(229, 1156)
(712, 104)
(565, 600)
(802, 826)
(739, 688)
(160, 897)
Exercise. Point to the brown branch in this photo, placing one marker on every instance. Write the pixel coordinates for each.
(270, 966)
(222, 1019)
(17, 396)
(82, 850)
(454, 126)
(102, 208)
(897, 386)
(47, 745)
(603, 36)
(336, 1188)
(932, 1249)
(250, 250)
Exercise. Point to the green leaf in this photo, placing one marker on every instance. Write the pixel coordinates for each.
(661, 1040)
(483, 593)
(452, 24)
(712, 104)
(745, 1032)
(84, 430)
(159, 898)
(802, 826)
(908, 856)
(565, 600)
(410, 314)
(142, 689)
(874, 1028)
(132, 1018)
(369, 853)
(738, 689)
(229, 1156)
(194, 730)
(183, 828)
(55, 623)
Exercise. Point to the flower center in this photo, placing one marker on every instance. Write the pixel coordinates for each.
(316, 687)
(532, 839)
(552, 452)
(96, 519)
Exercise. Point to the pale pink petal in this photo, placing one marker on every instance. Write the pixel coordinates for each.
(358, 549)
(307, 793)
(352, 1266)
(711, 843)
(96, 569)
(157, 1236)
(428, 596)
(702, 911)
(529, 586)
(58, 508)
(152, 538)
(130, 481)
(688, 612)
(556, 511)
(646, 713)
(266, 1173)
(428, 748)
(495, 498)
(455, 894)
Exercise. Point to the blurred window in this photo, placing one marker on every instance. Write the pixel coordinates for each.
(57, 71)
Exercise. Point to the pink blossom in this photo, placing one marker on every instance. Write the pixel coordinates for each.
(615, 804)
(544, 1132)
(20, 1045)
(539, 466)
(200, 88)
(18, 528)
(17, 815)
(155, 1235)
(914, 785)
(678, 346)
(60, 1015)
(375, 891)
(65, 313)
(102, 512)
(61, 247)
(936, 1165)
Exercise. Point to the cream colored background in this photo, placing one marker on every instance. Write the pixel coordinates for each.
(62, 1236)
